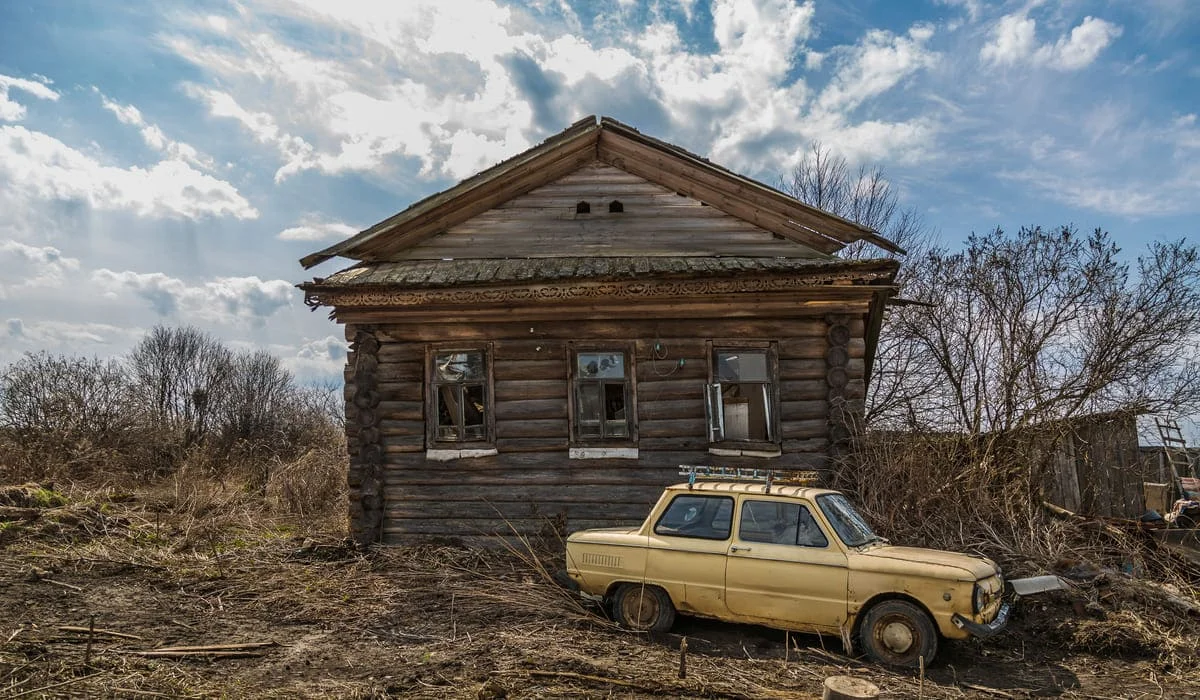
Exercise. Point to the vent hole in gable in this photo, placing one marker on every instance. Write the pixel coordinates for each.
(583, 208)
(615, 207)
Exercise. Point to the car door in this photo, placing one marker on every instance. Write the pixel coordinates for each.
(686, 551)
(783, 567)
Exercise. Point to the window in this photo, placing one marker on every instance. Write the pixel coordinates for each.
(705, 517)
(602, 390)
(460, 391)
(777, 522)
(846, 521)
(741, 397)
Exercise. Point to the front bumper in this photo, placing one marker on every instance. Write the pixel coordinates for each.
(983, 630)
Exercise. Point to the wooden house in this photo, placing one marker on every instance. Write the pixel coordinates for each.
(547, 341)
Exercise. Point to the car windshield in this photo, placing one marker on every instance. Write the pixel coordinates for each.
(846, 521)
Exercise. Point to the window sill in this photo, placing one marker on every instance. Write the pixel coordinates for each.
(440, 455)
(761, 452)
(603, 453)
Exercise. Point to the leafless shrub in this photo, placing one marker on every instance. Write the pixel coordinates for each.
(227, 428)
(64, 416)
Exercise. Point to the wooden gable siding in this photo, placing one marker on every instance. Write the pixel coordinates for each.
(531, 485)
(655, 221)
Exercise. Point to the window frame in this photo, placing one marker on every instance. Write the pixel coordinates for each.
(573, 380)
(715, 420)
(801, 508)
(432, 440)
(733, 510)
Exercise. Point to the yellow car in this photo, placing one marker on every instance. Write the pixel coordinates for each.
(750, 547)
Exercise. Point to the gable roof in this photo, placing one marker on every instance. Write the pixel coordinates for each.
(609, 141)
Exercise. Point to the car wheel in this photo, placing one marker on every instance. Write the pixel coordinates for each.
(643, 608)
(897, 633)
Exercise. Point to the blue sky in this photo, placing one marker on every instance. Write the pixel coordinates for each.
(170, 162)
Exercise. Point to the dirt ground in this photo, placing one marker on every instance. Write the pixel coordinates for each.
(315, 618)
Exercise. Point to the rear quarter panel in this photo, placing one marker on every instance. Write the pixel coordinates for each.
(596, 565)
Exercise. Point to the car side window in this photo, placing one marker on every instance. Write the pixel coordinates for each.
(776, 522)
(705, 517)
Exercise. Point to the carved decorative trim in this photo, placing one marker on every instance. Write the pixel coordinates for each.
(383, 296)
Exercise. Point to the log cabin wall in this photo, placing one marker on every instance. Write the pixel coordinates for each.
(400, 496)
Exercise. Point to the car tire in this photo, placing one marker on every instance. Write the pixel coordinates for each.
(897, 633)
(643, 608)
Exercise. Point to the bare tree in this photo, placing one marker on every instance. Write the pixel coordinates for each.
(181, 375)
(1014, 330)
(1047, 324)
(864, 195)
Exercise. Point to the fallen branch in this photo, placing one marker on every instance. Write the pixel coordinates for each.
(151, 693)
(212, 651)
(107, 633)
(985, 689)
(198, 652)
(221, 647)
(64, 585)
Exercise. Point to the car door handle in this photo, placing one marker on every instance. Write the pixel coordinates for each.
(736, 548)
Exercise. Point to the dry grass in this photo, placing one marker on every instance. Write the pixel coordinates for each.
(199, 561)
(255, 552)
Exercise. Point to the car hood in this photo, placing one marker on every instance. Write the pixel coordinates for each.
(917, 561)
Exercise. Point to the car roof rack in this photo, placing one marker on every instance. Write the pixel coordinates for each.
(767, 476)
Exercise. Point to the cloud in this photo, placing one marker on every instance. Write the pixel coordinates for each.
(1083, 45)
(225, 300)
(32, 266)
(875, 65)
(321, 360)
(973, 8)
(314, 228)
(329, 348)
(12, 111)
(1014, 42)
(1088, 167)
(65, 338)
(1130, 199)
(454, 88)
(154, 136)
(38, 166)
(295, 151)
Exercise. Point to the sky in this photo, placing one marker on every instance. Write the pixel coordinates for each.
(170, 162)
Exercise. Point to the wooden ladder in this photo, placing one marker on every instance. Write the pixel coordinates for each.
(1175, 448)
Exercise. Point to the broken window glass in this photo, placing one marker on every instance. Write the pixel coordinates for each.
(740, 401)
(460, 385)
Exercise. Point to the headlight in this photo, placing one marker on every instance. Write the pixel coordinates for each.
(979, 599)
(986, 592)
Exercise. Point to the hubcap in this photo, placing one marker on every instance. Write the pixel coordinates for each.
(897, 637)
(641, 609)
